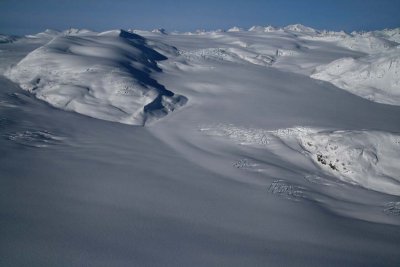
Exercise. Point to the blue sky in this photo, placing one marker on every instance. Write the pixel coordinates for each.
(30, 16)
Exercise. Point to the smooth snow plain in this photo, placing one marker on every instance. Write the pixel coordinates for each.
(261, 147)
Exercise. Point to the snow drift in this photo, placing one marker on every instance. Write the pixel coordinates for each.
(105, 76)
(375, 77)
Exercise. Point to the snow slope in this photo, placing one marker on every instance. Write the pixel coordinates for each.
(375, 77)
(390, 34)
(367, 43)
(365, 158)
(105, 76)
(249, 102)
(47, 34)
(262, 166)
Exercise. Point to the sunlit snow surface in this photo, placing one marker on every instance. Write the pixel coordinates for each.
(247, 158)
(105, 76)
(375, 77)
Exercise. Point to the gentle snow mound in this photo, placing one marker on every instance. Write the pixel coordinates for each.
(105, 76)
(375, 77)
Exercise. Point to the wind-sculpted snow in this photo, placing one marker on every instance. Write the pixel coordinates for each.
(236, 55)
(105, 76)
(364, 158)
(286, 190)
(241, 135)
(392, 208)
(375, 77)
(39, 139)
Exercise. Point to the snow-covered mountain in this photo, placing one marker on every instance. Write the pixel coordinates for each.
(106, 76)
(235, 29)
(160, 30)
(269, 28)
(47, 34)
(261, 147)
(390, 34)
(300, 28)
(375, 77)
(7, 38)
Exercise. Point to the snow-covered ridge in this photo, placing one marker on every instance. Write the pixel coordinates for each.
(235, 29)
(7, 38)
(160, 31)
(300, 28)
(389, 34)
(375, 77)
(367, 42)
(364, 158)
(269, 28)
(106, 76)
(235, 55)
(50, 33)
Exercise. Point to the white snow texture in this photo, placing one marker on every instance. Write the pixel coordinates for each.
(105, 76)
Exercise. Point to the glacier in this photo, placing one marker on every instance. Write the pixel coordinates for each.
(267, 146)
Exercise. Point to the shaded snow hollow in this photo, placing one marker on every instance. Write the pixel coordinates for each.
(102, 75)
